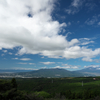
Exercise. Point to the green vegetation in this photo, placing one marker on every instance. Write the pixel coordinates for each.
(50, 89)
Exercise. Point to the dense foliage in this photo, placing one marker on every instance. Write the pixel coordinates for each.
(47, 88)
(9, 91)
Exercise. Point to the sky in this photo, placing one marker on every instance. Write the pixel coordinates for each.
(39, 34)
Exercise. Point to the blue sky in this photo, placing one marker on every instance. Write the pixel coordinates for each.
(37, 34)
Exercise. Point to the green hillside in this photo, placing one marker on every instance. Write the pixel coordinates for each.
(51, 73)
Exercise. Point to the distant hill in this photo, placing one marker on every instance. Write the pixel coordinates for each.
(47, 73)
(52, 73)
(90, 71)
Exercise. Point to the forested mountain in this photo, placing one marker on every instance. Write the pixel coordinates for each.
(45, 73)
(53, 73)
(50, 73)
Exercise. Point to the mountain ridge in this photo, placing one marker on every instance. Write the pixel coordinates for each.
(90, 71)
(48, 73)
(54, 72)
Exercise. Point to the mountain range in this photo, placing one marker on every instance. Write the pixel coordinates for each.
(91, 71)
(50, 73)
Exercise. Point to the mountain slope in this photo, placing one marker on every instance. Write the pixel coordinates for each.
(51, 73)
(90, 71)
(44, 73)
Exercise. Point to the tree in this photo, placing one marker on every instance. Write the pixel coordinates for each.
(68, 94)
(14, 83)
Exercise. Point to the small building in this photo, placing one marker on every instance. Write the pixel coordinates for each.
(94, 78)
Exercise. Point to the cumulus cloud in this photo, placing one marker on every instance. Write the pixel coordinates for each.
(70, 66)
(29, 25)
(35, 34)
(47, 63)
(91, 60)
(87, 59)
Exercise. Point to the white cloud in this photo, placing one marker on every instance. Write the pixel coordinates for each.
(69, 23)
(47, 63)
(22, 63)
(43, 67)
(10, 53)
(26, 63)
(75, 67)
(91, 60)
(38, 34)
(97, 60)
(4, 51)
(62, 67)
(2, 54)
(94, 66)
(17, 68)
(69, 11)
(68, 34)
(70, 66)
(91, 6)
(85, 41)
(75, 6)
(16, 54)
(31, 63)
(92, 21)
(76, 3)
(87, 59)
(15, 58)
(98, 23)
(67, 66)
(25, 59)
